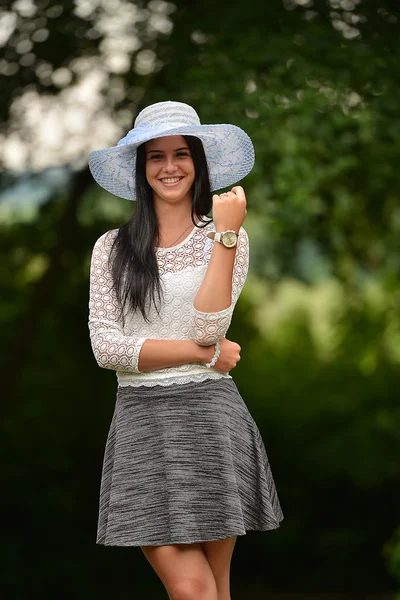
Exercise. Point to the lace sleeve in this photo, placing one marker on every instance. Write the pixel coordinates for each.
(111, 348)
(210, 327)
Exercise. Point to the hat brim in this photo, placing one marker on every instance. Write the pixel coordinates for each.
(228, 149)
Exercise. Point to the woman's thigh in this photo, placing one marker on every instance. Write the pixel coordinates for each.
(219, 555)
(184, 570)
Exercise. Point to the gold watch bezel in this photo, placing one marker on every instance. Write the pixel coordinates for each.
(223, 234)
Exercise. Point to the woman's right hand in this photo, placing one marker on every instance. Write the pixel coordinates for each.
(229, 356)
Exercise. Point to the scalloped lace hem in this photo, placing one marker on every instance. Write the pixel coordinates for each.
(179, 379)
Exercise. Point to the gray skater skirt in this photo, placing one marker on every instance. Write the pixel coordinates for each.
(183, 464)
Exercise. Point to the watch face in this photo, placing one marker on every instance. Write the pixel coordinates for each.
(229, 239)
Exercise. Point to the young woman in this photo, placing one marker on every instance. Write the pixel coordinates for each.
(185, 468)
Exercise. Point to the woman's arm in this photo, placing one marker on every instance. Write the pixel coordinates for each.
(215, 293)
(119, 352)
(155, 352)
(226, 273)
(161, 354)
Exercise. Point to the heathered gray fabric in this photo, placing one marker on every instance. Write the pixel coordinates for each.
(184, 464)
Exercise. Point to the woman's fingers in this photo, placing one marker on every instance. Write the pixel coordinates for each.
(235, 192)
(239, 191)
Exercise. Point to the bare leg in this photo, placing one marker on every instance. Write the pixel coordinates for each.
(184, 570)
(219, 555)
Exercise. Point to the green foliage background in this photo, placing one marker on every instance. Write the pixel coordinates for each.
(318, 320)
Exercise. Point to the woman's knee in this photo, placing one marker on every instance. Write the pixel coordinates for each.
(193, 588)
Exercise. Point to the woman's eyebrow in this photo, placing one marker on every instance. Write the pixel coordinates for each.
(176, 150)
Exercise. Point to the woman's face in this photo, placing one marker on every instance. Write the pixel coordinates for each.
(169, 168)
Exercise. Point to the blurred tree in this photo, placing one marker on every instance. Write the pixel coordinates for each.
(315, 87)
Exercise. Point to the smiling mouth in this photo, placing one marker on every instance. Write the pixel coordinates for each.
(170, 180)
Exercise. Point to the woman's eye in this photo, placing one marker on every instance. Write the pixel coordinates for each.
(182, 154)
(155, 156)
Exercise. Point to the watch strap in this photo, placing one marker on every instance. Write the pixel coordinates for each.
(217, 235)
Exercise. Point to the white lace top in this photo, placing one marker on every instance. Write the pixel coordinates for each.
(117, 346)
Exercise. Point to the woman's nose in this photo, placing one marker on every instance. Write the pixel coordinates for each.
(170, 164)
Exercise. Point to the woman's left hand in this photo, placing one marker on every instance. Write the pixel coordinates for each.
(229, 209)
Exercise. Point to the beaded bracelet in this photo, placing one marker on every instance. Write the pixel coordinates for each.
(215, 357)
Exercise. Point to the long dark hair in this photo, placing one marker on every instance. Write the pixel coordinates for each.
(133, 260)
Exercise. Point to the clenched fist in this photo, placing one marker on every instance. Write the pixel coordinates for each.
(229, 355)
(229, 209)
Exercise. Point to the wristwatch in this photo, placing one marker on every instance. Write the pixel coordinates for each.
(228, 238)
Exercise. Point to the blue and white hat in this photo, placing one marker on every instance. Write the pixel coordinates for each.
(229, 150)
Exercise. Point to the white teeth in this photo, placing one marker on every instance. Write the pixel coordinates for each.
(170, 179)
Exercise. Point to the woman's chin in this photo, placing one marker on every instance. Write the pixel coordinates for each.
(174, 196)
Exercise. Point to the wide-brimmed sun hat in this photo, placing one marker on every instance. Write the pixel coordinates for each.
(229, 150)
